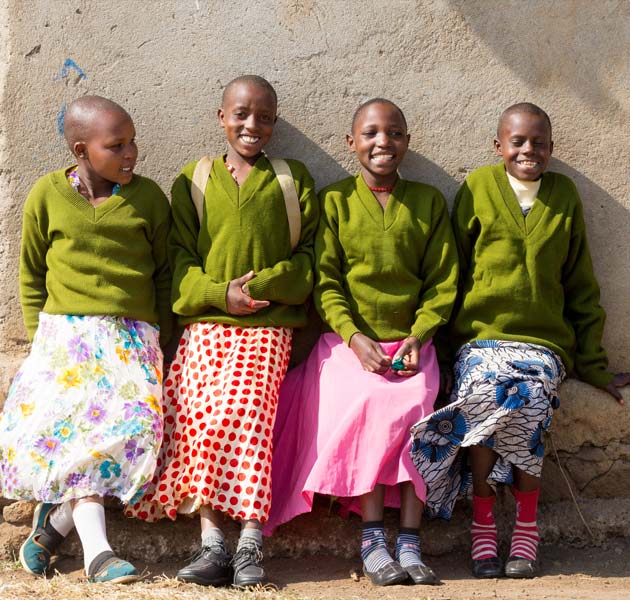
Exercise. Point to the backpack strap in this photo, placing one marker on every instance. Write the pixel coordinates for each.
(200, 178)
(291, 202)
(281, 168)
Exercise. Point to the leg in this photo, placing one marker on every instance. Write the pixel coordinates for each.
(485, 559)
(211, 564)
(524, 546)
(248, 570)
(101, 564)
(408, 552)
(378, 564)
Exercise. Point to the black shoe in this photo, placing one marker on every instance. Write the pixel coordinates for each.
(520, 568)
(247, 564)
(487, 568)
(421, 575)
(391, 574)
(210, 566)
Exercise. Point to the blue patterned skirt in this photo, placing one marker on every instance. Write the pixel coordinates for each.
(503, 398)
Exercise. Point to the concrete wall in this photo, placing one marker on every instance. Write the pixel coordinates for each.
(452, 65)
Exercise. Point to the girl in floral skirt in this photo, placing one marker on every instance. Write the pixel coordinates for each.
(528, 311)
(240, 287)
(83, 416)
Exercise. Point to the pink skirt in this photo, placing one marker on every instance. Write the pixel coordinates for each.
(220, 399)
(341, 431)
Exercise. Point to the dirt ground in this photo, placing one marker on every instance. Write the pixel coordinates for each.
(567, 573)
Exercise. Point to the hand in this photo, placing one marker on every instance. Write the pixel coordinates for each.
(619, 380)
(409, 352)
(240, 303)
(370, 353)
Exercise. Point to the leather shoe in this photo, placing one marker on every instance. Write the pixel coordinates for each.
(210, 566)
(487, 568)
(247, 563)
(520, 568)
(421, 575)
(391, 574)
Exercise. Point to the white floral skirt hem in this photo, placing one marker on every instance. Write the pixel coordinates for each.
(83, 416)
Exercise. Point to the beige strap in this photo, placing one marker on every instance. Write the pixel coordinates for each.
(291, 202)
(199, 182)
(285, 179)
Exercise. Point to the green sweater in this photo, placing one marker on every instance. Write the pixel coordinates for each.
(111, 259)
(528, 279)
(243, 228)
(388, 274)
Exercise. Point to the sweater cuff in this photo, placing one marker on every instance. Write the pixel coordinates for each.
(422, 335)
(599, 378)
(259, 287)
(216, 295)
(347, 330)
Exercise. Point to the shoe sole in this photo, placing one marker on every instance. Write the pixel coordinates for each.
(121, 579)
(36, 514)
(204, 582)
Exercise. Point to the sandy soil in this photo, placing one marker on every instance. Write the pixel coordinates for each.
(567, 573)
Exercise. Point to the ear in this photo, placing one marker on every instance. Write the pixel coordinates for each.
(221, 117)
(79, 149)
(551, 147)
(350, 142)
(408, 138)
(497, 146)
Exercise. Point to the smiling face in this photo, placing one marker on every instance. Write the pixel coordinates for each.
(524, 142)
(248, 115)
(109, 152)
(380, 139)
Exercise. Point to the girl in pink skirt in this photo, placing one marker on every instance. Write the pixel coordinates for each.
(386, 274)
(239, 286)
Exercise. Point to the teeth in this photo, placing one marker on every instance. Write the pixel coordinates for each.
(529, 163)
(126, 169)
(382, 158)
(249, 139)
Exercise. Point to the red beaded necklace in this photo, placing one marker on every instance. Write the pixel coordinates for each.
(381, 189)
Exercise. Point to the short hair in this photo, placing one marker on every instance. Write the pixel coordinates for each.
(523, 107)
(256, 80)
(376, 100)
(82, 112)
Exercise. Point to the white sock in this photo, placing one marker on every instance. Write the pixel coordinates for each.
(89, 519)
(61, 518)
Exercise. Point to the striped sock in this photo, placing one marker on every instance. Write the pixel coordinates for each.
(374, 546)
(525, 537)
(484, 529)
(408, 547)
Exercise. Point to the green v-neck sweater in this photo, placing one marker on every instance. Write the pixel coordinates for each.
(242, 228)
(388, 274)
(77, 259)
(528, 279)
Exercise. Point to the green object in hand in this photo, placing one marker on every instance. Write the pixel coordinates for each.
(397, 365)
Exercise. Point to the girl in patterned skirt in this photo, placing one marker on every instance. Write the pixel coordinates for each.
(386, 271)
(240, 288)
(83, 416)
(529, 309)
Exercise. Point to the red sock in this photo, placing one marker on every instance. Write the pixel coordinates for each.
(525, 537)
(484, 529)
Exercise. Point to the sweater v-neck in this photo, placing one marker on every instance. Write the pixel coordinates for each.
(241, 195)
(525, 224)
(82, 204)
(383, 217)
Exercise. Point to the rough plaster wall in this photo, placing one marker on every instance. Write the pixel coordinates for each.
(451, 64)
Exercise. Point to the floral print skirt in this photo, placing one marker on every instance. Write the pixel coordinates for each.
(83, 416)
(503, 398)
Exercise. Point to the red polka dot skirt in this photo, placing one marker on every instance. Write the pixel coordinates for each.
(220, 399)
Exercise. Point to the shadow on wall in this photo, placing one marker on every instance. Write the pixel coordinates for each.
(576, 46)
(288, 141)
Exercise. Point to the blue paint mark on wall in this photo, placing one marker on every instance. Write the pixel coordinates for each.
(69, 64)
(60, 118)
